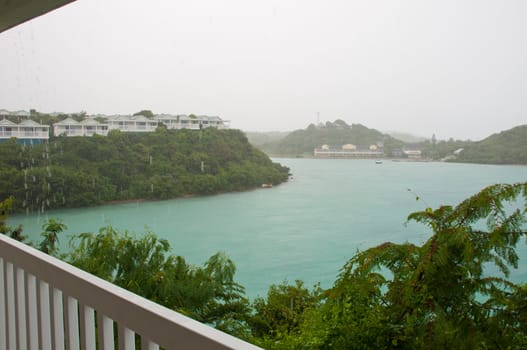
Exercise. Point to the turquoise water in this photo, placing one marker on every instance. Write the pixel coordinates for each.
(304, 229)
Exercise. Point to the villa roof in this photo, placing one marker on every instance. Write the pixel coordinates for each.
(166, 117)
(21, 113)
(89, 122)
(6, 122)
(140, 118)
(67, 121)
(29, 122)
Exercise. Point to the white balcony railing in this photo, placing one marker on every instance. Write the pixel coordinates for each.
(48, 304)
(33, 134)
(21, 134)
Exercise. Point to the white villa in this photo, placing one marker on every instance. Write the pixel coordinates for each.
(27, 131)
(87, 127)
(5, 113)
(136, 123)
(348, 151)
(183, 121)
(91, 127)
(413, 153)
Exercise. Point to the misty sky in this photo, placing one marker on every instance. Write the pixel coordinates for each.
(454, 68)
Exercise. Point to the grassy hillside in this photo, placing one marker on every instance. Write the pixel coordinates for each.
(83, 171)
(337, 133)
(506, 147)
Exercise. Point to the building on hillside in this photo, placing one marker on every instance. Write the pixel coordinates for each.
(137, 123)
(169, 120)
(92, 127)
(413, 153)
(4, 113)
(348, 147)
(216, 122)
(68, 127)
(25, 132)
(192, 122)
(347, 151)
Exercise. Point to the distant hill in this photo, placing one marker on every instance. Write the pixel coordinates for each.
(406, 137)
(258, 138)
(506, 147)
(301, 142)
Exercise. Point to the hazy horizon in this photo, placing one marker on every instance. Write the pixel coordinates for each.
(453, 69)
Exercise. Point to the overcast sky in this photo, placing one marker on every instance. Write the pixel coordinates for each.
(454, 68)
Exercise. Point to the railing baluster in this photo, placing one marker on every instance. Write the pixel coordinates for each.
(44, 310)
(72, 323)
(87, 329)
(105, 330)
(147, 344)
(20, 297)
(10, 306)
(58, 320)
(31, 311)
(3, 309)
(126, 338)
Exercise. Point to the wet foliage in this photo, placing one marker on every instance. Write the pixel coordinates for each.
(87, 171)
(452, 291)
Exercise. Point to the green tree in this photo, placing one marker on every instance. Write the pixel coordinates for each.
(5, 207)
(282, 311)
(145, 266)
(145, 112)
(50, 236)
(442, 294)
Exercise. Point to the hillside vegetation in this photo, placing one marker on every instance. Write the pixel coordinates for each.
(337, 133)
(85, 171)
(506, 147)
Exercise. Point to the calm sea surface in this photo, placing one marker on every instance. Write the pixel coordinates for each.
(304, 229)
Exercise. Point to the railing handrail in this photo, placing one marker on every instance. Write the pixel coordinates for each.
(166, 327)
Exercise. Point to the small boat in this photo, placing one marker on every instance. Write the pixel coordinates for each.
(267, 185)
(378, 162)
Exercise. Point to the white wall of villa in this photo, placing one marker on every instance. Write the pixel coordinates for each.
(87, 127)
(27, 131)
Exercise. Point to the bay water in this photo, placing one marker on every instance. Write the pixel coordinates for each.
(304, 229)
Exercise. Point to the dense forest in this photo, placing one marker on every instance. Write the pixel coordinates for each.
(442, 294)
(86, 171)
(337, 133)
